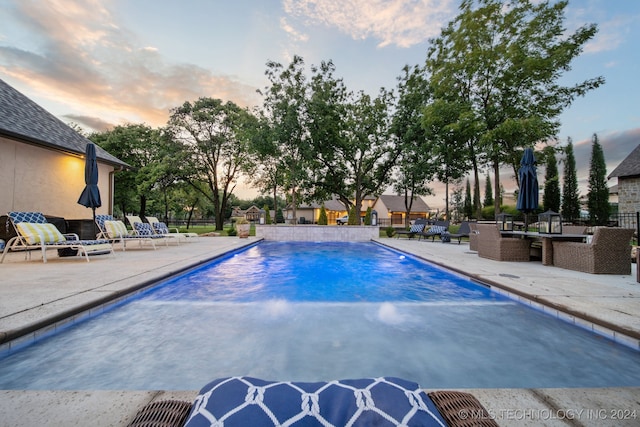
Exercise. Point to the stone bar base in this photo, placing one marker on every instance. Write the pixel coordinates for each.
(317, 233)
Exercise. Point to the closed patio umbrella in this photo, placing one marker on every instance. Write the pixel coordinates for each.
(528, 194)
(90, 196)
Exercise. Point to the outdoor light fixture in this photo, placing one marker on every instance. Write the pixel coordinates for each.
(550, 222)
(504, 222)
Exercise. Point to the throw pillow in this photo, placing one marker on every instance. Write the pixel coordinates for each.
(115, 229)
(160, 228)
(143, 228)
(39, 233)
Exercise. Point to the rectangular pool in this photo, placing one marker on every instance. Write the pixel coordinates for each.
(305, 311)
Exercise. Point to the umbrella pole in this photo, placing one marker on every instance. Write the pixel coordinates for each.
(94, 223)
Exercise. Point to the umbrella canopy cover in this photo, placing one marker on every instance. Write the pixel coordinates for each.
(528, 177)
(90, 196)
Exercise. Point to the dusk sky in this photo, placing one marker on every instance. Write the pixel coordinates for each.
(100, 63)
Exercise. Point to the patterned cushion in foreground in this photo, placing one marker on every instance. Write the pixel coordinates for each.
(244, 401)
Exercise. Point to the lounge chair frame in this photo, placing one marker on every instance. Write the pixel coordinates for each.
(416, 228)
(133, 220)
(153, 220)
(124, 238)
(20, 242)
(431, 232)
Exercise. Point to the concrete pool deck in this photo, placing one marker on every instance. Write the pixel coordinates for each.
(33, 294)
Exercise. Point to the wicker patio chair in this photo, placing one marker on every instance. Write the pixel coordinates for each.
(473, 236)
(458, 409)
(608, 252)
(493, 246)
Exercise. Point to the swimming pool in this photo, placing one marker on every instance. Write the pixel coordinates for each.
(354, 310)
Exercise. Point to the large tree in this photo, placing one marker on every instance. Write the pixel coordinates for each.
(448, 148)
(215, 139)
(598, 196)
(285, 130)
(415, 167)
(141, 147)
(353, 149)
(488, 192)
(503, 60)
(570, 195)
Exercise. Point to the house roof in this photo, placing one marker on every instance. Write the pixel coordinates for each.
(396, 203)
(330, 205)
(629, 167)
(24, 120)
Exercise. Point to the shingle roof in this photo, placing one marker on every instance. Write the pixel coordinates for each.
(629, 167)
(330, 205)
(396, 203)
(23, 119)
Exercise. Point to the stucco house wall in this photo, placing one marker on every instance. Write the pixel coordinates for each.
(42, 161)
(33, 178)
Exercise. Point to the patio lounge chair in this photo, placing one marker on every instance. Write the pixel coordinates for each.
(436, 229)
(115, 231)
(609, 252)
(162, 228)
(493, 246)
(225, 400)
(463, 231)
(144, 228)
(33, 231)
(416, 228)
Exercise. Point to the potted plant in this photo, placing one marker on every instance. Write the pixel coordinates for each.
(243, 227)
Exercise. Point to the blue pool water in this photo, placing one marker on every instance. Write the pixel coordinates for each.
(320, 311)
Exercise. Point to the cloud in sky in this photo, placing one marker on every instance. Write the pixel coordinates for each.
(403, 23)
(78, 55)
(100, 63)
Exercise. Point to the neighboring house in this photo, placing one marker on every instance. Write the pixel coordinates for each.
(42, 161)
(390, 210)
(251, 214)
(392, 207)
(628, 188)
(310, 213)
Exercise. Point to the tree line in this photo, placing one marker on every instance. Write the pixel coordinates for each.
(566, 202)
(489, 87)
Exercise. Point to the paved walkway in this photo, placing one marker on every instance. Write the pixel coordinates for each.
(33, 294)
